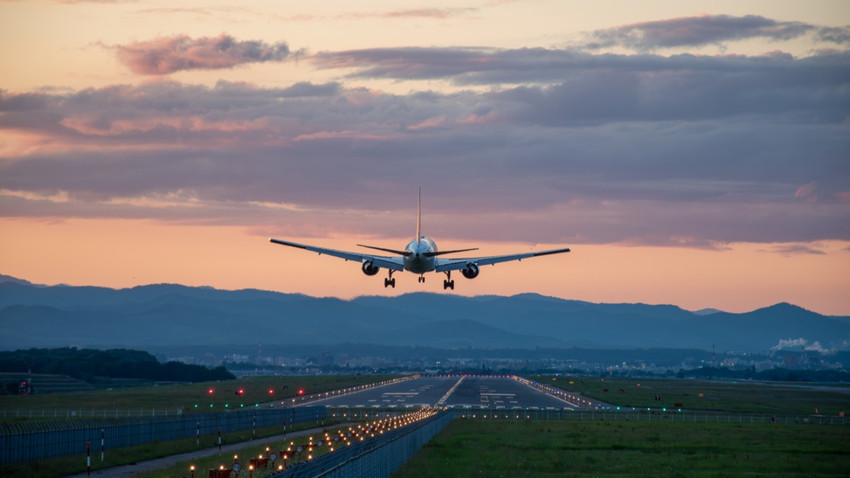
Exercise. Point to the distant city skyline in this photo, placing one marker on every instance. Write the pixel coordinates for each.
(690, 153)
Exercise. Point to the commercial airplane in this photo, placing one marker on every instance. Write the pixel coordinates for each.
(419, 256)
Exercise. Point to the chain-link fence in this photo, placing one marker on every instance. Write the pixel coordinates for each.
(374, 458)
(22, 442)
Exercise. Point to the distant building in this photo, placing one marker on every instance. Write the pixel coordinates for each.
(789, 361)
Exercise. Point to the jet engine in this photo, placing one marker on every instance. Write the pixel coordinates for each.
(370, 269)
(470, 271)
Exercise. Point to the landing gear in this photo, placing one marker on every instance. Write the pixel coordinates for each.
(389, 281)
(421, 278)
(448, 283)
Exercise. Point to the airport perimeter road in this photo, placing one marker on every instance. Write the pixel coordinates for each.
(454, 391)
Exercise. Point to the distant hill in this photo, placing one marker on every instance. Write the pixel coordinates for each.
(175, 315)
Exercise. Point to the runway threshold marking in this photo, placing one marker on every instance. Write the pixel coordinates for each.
(448, 394)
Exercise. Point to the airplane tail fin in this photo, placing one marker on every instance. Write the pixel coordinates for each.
(419, 217)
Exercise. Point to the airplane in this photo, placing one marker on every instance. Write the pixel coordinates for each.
(419, 256)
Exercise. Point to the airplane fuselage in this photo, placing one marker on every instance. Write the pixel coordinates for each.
(421, 258)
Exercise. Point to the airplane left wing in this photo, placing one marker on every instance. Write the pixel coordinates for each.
(394, 263)
(445, 265)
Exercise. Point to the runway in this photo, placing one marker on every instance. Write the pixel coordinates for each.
(451, 391)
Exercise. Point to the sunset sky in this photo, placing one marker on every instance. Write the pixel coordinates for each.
(690, 153)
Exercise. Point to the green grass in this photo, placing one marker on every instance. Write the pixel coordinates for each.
(567, 448)
(144, 400)
(730, 396)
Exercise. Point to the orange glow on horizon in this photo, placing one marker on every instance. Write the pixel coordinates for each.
(127, 253)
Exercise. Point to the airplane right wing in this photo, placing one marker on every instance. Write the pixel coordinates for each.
(444, 265)
(394, 263)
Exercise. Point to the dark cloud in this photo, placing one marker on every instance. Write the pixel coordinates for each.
(567, 86)
(466, 66)
(840, 35)
(683, 150)
(166, 55)
(795, 249)
(706, 30)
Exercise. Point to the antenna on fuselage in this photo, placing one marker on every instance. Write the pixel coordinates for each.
(419, 218)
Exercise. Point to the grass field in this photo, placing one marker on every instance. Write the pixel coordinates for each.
(173, 397)
(560, 448)
(730, 396)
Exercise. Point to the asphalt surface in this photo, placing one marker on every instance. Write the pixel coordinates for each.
(453, 391)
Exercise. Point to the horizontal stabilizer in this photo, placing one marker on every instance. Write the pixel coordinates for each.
(392, 251)
(440, 253)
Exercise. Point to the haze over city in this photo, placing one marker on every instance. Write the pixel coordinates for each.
(691, 153)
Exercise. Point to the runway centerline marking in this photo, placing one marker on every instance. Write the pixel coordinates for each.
(448, 394)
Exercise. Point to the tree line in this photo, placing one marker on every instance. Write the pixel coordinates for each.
(89, 365)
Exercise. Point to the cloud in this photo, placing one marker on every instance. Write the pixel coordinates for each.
(567, 146)
(708, 30)
(167, 55)
(553, 86)
(795, 249)
(436, 13)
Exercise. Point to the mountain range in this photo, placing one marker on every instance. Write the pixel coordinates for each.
(167, 314)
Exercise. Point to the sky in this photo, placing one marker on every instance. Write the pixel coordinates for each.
(689, 153)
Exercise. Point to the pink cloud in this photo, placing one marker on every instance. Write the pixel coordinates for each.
(439, 13)
(166, 55)
(843, 197)
(321, 135)
(807, 192)
(429, 123)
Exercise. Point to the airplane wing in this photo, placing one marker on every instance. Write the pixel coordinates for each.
(394, 263)
(444, 265)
